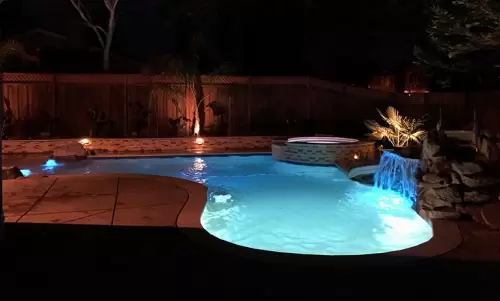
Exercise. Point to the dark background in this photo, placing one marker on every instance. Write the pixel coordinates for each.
(346, 41)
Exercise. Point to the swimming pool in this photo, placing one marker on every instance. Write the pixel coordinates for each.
(257, 202)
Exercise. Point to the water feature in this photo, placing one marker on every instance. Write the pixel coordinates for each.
(397, 173)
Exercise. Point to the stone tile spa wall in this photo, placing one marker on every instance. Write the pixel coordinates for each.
(139, 145)
(324, 154)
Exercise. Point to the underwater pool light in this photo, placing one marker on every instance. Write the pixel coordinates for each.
(50, 164)
(26, 172)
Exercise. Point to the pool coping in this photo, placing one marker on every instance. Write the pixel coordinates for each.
(446, 237)
(181, 154)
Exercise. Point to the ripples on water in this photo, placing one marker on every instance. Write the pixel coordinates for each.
(256, 202)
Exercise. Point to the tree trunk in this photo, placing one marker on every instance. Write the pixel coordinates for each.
(105, 58)
(109, 40)
(200, 106)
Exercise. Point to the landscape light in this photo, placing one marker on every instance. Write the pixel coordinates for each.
(199, 141)
(84, 141)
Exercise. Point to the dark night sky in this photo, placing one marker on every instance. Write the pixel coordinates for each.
(347, 41)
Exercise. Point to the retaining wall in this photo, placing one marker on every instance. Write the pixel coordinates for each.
(140, 145)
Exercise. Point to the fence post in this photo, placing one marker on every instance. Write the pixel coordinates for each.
(54, 100)
(125, 107)
(249, 105)
(2, 218)
(309, 101)
(426, 107)
(467, 108)
(187, 103)
(230, 117)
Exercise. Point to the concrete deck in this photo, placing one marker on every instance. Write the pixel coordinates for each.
(112, 200)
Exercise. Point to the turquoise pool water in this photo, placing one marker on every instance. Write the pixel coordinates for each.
(260, 203)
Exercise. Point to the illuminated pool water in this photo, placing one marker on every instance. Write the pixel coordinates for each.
(260, 203)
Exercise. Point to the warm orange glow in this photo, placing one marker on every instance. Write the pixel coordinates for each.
(356, 157)
(419, 91)
(197, 127)
(84, 141)
(199, 141)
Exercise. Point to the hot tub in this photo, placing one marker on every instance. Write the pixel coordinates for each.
(322, 150)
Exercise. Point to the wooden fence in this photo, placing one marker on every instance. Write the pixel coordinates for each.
(251, 105)
(456, 109)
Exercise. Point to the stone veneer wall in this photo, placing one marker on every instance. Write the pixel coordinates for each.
(139, 145)
(340, 154)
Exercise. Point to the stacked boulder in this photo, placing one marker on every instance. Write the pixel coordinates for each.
(453, 174)
(11, 172)
(70, 152)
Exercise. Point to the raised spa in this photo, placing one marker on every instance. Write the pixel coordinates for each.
(257, 202)
(322, 150)
(321, 140)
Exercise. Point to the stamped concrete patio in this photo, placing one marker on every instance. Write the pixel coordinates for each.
(111, 200)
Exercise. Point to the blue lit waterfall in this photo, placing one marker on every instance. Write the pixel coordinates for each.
(397, 173)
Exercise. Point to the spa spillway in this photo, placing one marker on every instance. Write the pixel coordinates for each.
(322, 150)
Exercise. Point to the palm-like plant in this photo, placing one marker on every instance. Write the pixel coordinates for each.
(400, 130)
(12, 49)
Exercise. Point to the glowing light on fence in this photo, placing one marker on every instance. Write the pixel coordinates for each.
(356, 156)
(197, 127)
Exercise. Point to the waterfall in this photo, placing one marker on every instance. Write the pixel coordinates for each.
(397, 173)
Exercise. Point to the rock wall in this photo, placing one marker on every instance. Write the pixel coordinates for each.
(11, 172)
(453, 174)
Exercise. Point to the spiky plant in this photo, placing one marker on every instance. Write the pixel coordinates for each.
(400, 130)
(11, 49)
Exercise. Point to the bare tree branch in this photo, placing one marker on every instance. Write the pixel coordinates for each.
(111, 5)
(105, 36)
(86, 18)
